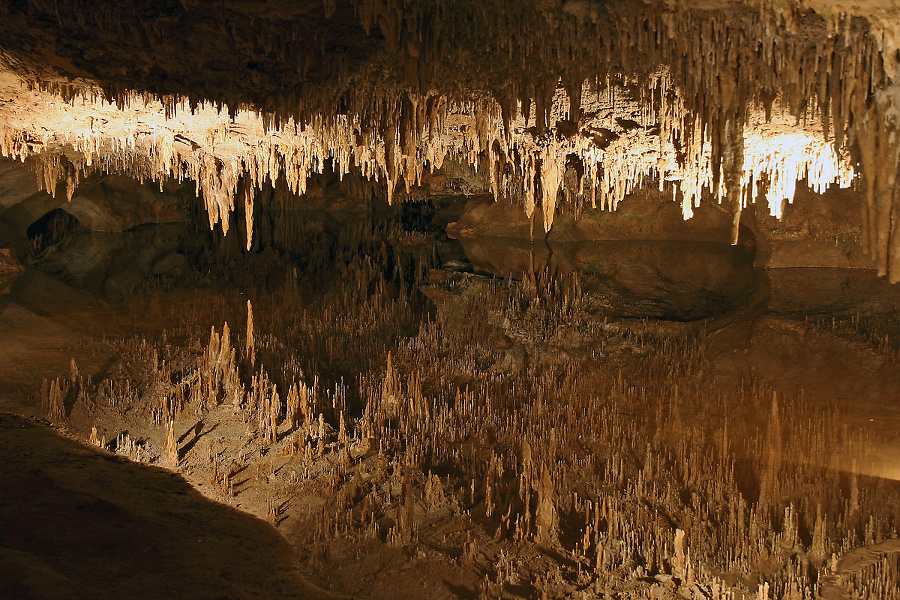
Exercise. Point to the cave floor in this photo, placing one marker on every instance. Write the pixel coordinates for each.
(365, 498)
(78, 523)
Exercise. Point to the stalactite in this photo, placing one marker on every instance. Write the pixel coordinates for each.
(713, 94)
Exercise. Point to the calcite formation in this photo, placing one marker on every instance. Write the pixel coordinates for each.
(569, 102)
(520, 432)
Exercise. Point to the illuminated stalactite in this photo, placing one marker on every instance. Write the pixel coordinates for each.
(620, 156)
(715, 101)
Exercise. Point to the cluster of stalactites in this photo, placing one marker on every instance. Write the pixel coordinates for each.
(691, 123)
(620, 144)
(621, 147)
(226, 158)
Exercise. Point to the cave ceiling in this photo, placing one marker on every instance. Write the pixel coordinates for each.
(725, 102)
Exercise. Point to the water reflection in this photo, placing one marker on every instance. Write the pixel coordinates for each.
(656, 279)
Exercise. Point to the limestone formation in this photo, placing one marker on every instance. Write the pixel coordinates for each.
(724, 106)
(470, 360)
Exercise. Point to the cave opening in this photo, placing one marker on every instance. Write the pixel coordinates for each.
(50, 230)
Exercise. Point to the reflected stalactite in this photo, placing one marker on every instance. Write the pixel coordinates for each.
(614, 449)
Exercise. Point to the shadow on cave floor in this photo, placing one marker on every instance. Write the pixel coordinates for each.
(76, 523)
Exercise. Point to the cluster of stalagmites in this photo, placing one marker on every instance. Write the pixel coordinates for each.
(559, 455)
(729, 105)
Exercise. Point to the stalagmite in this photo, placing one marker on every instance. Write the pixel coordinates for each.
(250, 345)
(95, 437)
(546, 518)
(293, 407)
(679, 562)
(171, 447)
(55, 408)
(817, 546)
